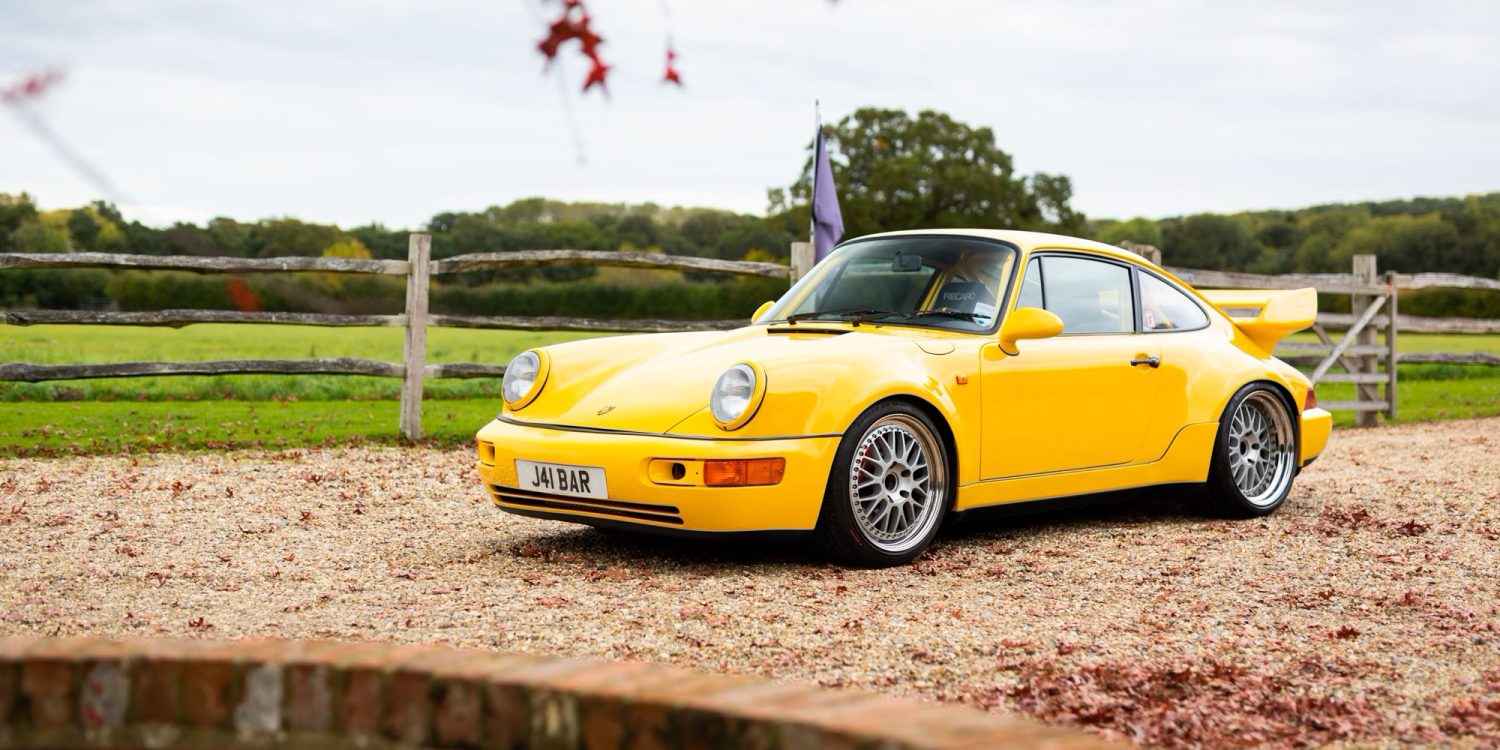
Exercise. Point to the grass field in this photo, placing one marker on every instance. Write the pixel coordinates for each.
(276, 411)
(97, 344)
(1432, 391)
(44, 428)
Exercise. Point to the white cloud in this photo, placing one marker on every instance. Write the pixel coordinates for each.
(351, 110)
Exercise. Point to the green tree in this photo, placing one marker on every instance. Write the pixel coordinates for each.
(1322, 230)
(895, 171)
(702, 231)
(383, 243)
(1478, 225)
(1140, 230)
(1402, 243)
(1208, 241)
(347, 248)
(111, 239)
(638, 231)
(83, 228)
(468, 233)
(286, 236)
(35, 236)
(188, 239)
(229, 236)
(14, 211)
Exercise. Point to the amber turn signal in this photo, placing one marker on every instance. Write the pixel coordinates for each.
(743, 473)
(1312, 400)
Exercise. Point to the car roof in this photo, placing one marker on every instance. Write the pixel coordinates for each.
(1028, 241)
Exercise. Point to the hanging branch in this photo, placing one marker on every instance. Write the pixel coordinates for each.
(18, 98)
(574, 24)
(672, 75)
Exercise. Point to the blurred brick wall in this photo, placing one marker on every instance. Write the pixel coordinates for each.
(76, 692)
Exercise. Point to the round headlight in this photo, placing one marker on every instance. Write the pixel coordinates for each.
(736, 396)
(523, 379)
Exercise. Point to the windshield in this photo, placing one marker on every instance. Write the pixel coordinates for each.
(955, 283)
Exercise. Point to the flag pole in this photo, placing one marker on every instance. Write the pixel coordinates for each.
(812, 221)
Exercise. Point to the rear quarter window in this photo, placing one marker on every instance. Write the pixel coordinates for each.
(1166, 308)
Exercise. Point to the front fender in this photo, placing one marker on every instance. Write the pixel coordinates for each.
(824, 397)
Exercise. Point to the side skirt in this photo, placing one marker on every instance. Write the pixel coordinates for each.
(1185, 461)
(1054, 504)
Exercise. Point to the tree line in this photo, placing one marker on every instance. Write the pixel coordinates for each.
(894, 170)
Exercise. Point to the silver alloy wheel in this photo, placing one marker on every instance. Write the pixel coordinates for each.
(897, 483)
(1261, 443)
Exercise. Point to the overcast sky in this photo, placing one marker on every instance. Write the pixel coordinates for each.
(351, 111)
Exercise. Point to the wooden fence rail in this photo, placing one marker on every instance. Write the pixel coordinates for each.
(1330, 283)
(1358, 353)
(615, 258)
(1416, 324)
(180, 318)
(1405, 358)
(34, 373)
(26, 371)
(418, 268)
(1367, 363)
(202, 264)
(1327, 283)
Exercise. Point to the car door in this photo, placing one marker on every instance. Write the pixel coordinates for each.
(1179, 326)
(1082, 399)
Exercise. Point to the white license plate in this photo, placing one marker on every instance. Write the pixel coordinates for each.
(562, 479)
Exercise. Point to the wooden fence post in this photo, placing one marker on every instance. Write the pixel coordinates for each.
(802, 259)
(414, 353)
(1149, 252)
(1390, 346)
(1364, 273)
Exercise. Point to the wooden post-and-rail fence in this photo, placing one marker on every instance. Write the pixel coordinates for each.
(1359, 355)
(418, 269)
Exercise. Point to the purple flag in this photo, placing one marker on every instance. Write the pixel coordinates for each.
(828, 223)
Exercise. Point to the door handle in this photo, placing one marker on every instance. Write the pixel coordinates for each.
(1152, 360)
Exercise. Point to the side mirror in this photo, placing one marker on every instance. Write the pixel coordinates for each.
(1027, 323)
(762, 310)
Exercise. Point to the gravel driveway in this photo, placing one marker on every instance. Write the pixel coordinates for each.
(1365, 612)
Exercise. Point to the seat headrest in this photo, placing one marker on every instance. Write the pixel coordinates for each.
(964, 296)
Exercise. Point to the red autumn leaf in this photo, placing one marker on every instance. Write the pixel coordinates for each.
(1345, 632)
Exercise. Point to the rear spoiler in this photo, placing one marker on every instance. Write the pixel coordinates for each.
(1266, 316)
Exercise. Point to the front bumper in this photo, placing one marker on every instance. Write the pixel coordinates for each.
(635, 499)
(1317, 424)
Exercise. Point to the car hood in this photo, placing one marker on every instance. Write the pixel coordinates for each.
(655, 382)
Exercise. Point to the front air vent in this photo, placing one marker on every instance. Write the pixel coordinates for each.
(569, 504)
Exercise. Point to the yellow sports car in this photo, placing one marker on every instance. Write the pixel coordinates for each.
(910, 378)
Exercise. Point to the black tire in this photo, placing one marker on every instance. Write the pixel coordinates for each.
(904, 488)
(1256, 454)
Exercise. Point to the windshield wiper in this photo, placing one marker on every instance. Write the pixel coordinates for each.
(857, 314)
(957, 314)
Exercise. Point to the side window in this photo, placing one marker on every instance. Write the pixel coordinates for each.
(1164, 308)
(1090, 296)
(1031, 286)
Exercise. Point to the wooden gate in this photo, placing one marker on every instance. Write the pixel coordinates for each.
(1366, 353)
(1366, 361)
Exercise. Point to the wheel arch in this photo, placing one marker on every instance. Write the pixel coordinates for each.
(1286, 398)
(939, 420)
(1285, 394)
